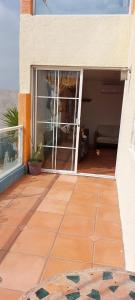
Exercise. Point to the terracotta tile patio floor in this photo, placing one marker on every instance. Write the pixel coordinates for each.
(51, 224)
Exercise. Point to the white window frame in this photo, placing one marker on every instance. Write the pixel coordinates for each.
(34, 113)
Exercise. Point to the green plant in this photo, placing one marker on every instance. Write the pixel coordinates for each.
(37, 155)
(10, 117)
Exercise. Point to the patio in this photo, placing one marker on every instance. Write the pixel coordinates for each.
(51, 224)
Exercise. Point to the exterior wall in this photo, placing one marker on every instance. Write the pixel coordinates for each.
(133, 6)
(26, 6)
(24, 108)
(79, 41)
(125, 171)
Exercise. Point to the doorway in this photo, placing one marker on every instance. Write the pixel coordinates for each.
(102, 97)
(76, 119)
(56, 115)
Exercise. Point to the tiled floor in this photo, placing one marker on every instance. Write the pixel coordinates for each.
(102, 164)
(51, 224)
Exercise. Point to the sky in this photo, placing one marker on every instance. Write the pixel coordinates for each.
(9, 45)
(9, 29)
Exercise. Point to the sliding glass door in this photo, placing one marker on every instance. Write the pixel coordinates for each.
(57, 117)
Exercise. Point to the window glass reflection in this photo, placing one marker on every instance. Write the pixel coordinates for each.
(74, 7)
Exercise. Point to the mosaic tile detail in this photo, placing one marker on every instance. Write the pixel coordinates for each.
(132, 277)
(94, 294)
(41, 293)
(73, 296)
(75, 278)
(93, 284)
(107, 275)
(132, 295)
(113, 288)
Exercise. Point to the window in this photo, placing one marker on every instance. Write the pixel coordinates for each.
(81, 7)
(56, 114)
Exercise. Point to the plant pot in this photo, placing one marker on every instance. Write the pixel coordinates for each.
(34, 167)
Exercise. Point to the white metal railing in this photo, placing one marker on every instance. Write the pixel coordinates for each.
(55, 7)
(11, 149)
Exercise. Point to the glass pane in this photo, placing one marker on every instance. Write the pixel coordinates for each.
(46, 110)
(84, 7)
(9, 151)
(67, 110)
(66, 136)
(46, 83)
(48, 154)
(46, 134)
(65, 159)
(69, 84)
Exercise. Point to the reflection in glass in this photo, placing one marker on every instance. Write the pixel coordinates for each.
(46, 134)
(46, 83)
(68, 110)
(66, 136)
(46, 110)
(82, 7)
(49, 162)
(9, 151)
(65, 159)
(69, 84)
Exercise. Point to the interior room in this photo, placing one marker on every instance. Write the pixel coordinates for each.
(100, 121)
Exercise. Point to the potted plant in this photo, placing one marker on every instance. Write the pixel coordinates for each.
(35, 162)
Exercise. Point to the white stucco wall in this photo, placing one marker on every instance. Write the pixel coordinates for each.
(125, 171)
(81, 41)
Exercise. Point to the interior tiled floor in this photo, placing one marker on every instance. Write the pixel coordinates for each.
(51, 224)
(99, 164)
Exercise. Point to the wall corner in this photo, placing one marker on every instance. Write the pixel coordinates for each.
(24, 110)
(26, 7)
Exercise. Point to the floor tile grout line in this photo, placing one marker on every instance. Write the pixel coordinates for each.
(69, 260)
(49, 255)
(93, 256)
(96, 217)
(27, 217)
(52, 257)
(11, 290)
(108, 266)
(45, 257)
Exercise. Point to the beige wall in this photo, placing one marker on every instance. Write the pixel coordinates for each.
(94, 41)
(125, 171)
(104, 108)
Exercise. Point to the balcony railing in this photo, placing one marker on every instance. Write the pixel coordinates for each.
(11, 149)
(81, 7)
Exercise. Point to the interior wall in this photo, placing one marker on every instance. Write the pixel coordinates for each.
(105, 108)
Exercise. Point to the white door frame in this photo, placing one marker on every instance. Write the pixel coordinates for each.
(36, 68)
(79, 120)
